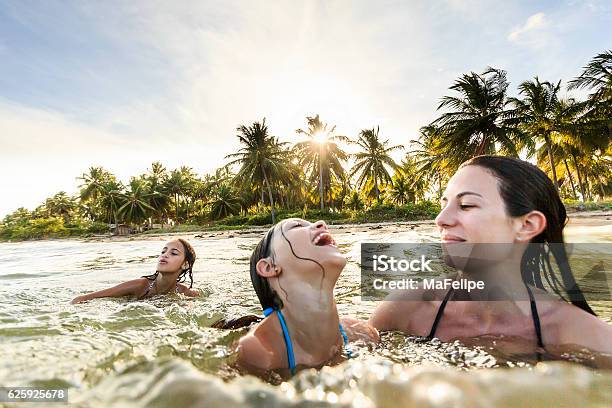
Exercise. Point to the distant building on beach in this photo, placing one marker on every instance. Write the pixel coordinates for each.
(121, 229)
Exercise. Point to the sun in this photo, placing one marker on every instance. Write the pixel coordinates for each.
(320, 137)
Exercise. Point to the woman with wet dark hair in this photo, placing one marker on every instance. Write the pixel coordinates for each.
(294, 269)
(174, 265)
(512, 204)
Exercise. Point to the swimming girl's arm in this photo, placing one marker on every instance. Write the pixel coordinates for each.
(133, 287)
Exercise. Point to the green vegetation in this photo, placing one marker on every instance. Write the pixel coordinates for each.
(267, 179)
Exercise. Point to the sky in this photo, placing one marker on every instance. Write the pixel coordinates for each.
(122, 84)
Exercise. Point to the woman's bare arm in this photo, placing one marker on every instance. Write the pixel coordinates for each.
(586, 330)
(397, 310)
(359, 330)
(134, 287)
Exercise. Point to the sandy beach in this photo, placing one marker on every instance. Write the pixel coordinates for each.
(577, 220)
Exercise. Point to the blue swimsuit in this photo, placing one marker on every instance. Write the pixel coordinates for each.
(287, 338)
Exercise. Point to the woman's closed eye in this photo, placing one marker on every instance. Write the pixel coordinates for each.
(466, 206)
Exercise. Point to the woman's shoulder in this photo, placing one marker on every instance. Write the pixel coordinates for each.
(569, 324)
(580, 327)
(255, 349)
(141, 286)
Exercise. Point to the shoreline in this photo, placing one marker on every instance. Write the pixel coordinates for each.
(591, 218)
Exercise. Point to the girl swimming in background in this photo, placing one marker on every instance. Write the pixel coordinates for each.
(174, 265)
(294, 269)
(493, 199)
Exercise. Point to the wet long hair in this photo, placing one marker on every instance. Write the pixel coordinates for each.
(190, 257)
(525, 188)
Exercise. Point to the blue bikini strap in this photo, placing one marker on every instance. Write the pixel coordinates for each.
(345, 338)
(288, 344)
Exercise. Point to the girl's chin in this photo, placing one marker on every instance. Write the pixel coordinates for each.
(166, 272)
(338, 261)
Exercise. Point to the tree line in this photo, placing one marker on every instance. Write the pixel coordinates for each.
(568, 138)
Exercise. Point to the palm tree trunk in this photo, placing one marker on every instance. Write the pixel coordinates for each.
(569, 175)
(552, 162)
(115, 215)
(579, 177)
(282, 200)
(176, 204)
(269, 195)
(482, 147)
(321, 178)
(586, 182)
(376, 189)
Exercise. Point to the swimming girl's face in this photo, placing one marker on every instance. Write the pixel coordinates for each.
(308, 240)
(473, 210)
(172, 258)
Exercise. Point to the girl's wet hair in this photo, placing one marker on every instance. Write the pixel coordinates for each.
(190, 257)
(266, 295)
(525, 188)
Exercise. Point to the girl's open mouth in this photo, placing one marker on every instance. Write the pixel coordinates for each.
(324, 239)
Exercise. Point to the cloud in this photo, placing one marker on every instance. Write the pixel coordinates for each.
(43, 152)
(533, 32)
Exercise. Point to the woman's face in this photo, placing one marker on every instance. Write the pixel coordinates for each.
(172, 258)
(308, 240)
(473, 210)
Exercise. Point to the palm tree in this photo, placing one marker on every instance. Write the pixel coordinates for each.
(225, 202)
(353, 201)
(573, 137)
(92, 187)
(260, 158)
(536, 113)
(416, 184)
(189, 182)
(61, 205)
(320, 155)
(110, 199)
(135, 207)
(158, 197)
(400, 191)
(596, 122)
(433, 167)
(597, 76)
(479, 119)
(177, 184)
(372, 162)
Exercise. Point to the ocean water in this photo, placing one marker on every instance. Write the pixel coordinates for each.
(163, 352)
